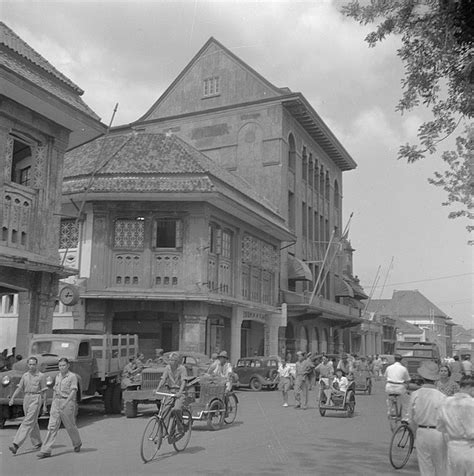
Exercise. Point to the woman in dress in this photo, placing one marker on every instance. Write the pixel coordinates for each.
(445, 384)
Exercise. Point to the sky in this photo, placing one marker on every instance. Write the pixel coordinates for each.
(129, 53)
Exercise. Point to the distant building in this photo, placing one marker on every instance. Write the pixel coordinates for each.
(429, 322)
(41, 116)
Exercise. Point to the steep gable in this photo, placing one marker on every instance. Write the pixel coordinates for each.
(214, 78)
(413, 304)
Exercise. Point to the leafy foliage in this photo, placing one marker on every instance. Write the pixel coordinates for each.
(437, 54)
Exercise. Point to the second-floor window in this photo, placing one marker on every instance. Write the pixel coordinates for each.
(129, 233)
(21, 163)
(68, 234)
(168, 233)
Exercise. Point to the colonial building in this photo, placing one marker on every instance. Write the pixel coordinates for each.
(170, 246)
(41, 115)
(430, 323)
(275, 140)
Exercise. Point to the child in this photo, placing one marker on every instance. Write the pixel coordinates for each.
(285, 379)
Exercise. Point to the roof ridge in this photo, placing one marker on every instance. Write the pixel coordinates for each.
(12, 41)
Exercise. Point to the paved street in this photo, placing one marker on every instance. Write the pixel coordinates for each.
(266, 439)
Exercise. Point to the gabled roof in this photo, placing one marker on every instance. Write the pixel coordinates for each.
(133, 162)
(22, 60)
(406, 328)
(196, 57)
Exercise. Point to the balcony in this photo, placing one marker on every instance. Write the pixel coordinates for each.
(298, 304)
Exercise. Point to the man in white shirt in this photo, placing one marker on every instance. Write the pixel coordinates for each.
(456, 422)
(424, 412)
(466, 365)
(397, 378)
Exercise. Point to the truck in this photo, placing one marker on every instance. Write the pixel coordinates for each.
(96, 358)
(413, 354)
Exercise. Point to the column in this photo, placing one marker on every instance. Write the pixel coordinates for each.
(193, 333)
(235, 333)
(271, 328)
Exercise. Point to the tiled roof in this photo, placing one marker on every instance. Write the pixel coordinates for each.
(148, 162)
(11, 40)
(406, 304)
(18, 57)
(407, 328)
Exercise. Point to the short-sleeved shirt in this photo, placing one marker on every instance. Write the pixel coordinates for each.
(467, 367)
(32, 383)
(173, 380)
(397, 373)
(342, 383)
(63, 386)
(325, 370)
(284, 371)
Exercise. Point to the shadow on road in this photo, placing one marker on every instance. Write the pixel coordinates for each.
(190, 450)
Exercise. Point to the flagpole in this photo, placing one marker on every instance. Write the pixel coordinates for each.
(386, 277)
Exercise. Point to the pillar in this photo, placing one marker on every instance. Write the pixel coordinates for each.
(271, 328)
(235, 333)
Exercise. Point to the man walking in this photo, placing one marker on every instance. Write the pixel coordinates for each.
(456, 421)
(397, 381)
(423, 411)
(33, 386)
(63, 409)
(467, 365)
(303, 369)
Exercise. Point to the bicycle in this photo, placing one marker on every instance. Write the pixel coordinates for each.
(401, 445)
(395, 411)
(231, 403)
(156, 429)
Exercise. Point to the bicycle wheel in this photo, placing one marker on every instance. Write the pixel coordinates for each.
(231, 409)
(401, 446)
(181, 442)
(151, 439)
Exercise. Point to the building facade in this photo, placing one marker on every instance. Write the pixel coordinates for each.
(272, 138)
(170, 246)
(41, 115)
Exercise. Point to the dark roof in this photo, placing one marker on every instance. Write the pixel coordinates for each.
(406, 327)
(150, 162)
(406, 304)
(20, 58)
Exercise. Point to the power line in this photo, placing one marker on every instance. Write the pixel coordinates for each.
(426, 280)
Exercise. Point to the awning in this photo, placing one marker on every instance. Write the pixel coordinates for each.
(343, 288)
(298, 270)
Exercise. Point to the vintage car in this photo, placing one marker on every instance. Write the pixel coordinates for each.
(257, 372)
(142, 388)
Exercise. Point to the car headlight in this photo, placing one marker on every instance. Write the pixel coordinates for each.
(6, 380)
(49, 381)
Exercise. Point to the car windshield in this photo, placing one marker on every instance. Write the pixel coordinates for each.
(62, 348)
(415, 353)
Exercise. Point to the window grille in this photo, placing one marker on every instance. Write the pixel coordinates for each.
(68, 234)
(129, 233)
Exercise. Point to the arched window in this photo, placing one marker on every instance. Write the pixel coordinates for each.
(311, 170)
(304, 170)
(291, 152)
(336, 195)
(327, 187)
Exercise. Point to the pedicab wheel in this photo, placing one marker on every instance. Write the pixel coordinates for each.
(231, 410)
(151, 439)
(181, 443)
(215, 417)
(394, 422)
(350, 405)
(255, 384)
(322, 412)
(369, 387)
(401, 446)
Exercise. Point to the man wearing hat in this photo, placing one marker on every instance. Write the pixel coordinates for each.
(222, 368)
(424, 412)
(345, 365)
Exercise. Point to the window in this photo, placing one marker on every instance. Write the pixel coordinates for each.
(168, 232)
(68, 234)
(83, 349)
(311, 170)
(336, 195)
(129, 233)
(304, 170)
(21, 163)
(291, 152)
(211, 86)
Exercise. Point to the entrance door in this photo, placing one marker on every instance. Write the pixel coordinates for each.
(167, 337)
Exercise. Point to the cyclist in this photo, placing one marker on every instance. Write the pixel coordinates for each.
(397, 377)
(174, 380)
(222, 368)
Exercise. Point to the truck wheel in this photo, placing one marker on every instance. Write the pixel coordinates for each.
(131, 409)
(117, 399)
(2, 422)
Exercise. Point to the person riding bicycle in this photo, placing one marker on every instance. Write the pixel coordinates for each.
(174, 380)
(397, 378)
(222, 368)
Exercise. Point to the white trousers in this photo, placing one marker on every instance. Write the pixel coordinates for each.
(431, 452)
(460, 458)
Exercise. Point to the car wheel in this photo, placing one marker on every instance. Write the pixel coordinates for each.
(255, 384)
(322, 412)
